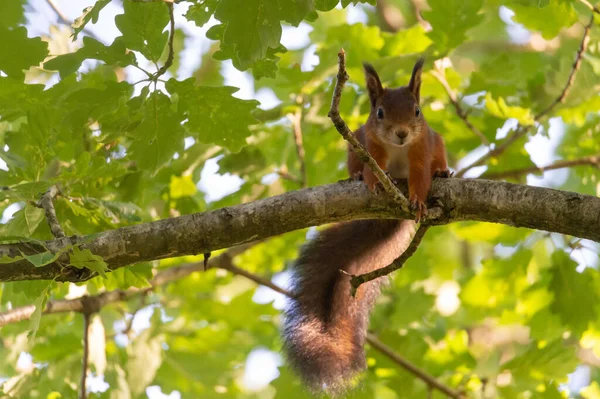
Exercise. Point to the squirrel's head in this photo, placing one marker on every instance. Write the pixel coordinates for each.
(395, 117)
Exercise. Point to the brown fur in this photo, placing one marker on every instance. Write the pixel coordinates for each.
(324, 327)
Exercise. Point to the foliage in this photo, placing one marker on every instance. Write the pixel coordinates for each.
(488, 309)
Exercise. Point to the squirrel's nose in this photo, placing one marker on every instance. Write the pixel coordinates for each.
(402, 133)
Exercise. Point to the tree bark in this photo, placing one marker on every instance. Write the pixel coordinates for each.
(460, 200)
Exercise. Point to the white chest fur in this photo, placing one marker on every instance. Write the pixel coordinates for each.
(398, 161)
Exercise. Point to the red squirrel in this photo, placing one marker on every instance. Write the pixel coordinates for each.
(324, 328)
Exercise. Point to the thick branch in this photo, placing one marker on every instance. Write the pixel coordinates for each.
(356, 281)
(593, 160)
(47, 204)
(462, 199)
(344, 130)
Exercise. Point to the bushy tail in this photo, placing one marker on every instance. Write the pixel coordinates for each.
(324, 327)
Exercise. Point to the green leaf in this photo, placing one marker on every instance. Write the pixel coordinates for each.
(201, 12)
(11, 13)
(451, 20)
(41, 259)
(91, 13)
(159, 136)
(548, 19)
(182, 187)
(500, 109)
(571, 289)
(137, 276)
(214, 115)
(142, 27)
(20, 52)
(36, 316)
(86, 259)
(115, 54)
(25, 221)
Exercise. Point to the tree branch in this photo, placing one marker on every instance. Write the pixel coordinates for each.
(593, 160)
(357, 281)
(344, 130)
(441, 77)
(86, 351)
(576, 65)
(422, 375)
(47, 204)
(223, 261)
(171, 55)
(296, 120)
(462, 199)
(590, 6)
(522, 130)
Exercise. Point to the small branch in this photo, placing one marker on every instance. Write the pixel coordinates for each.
(518, 133)
(522, 130)
(357, 281)
(171, 55)
(390, 16)
(441, 77)
(422, 375)
(593, 160)
(48, 205)
(576, 65)
(284, 174)
(296, 120)
(344, 130)
(86, 350)
(62, 18)
(590, 6)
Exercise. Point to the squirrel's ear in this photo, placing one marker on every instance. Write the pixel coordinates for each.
(415, 80)
(373, 83)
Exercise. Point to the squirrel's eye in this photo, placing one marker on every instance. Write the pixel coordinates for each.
(380, 113)
(417, 111)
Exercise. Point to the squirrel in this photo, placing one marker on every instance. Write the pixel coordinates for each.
(324, 328)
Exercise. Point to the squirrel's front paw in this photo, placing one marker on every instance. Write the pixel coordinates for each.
(419, 206)
(443, 173)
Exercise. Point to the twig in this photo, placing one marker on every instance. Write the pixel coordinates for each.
(590, 6)
(576, 65)
(296, 120)
(441, 77)
(390, 16)
(171, 55)
(517, 134)
(344, 130)
(522, 130)
(46, 202)
(422, 375)
(593, 160)
(62, 18)
(284, 174)
(357, 281)
(86, 350)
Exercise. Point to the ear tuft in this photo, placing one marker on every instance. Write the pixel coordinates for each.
(374, 86)
(415, 80)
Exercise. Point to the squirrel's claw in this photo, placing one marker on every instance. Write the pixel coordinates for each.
(445, 173)
(418, 206)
